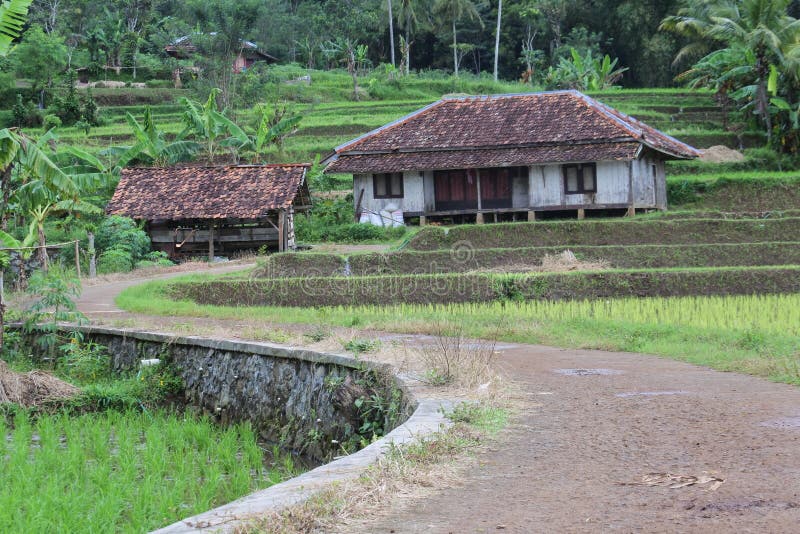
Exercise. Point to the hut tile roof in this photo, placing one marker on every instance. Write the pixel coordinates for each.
(533, 128)
(240, 192)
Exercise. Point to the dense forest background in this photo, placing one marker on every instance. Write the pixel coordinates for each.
(534, 33)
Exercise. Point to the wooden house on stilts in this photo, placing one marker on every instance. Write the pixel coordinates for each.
(191, 211)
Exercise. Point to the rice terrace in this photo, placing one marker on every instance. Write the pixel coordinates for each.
(392, 266)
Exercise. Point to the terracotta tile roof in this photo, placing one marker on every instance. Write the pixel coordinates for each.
(492, 157)
(241, 192)
(553, 119)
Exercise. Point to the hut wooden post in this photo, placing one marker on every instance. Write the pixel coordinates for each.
(281, 230)
(211, 242)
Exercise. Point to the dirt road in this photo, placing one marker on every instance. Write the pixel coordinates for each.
(585, 438)
(595, 428)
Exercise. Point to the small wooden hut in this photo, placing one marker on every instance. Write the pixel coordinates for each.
(191, 211)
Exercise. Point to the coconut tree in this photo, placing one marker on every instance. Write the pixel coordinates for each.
(497, 37)
(762, 26)
(407, 20)
(454, 11)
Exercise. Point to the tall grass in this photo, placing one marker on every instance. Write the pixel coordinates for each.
(754, 334)
(123, 472)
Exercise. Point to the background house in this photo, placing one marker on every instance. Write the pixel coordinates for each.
(510, 156)
(218, 210)
(249, 53)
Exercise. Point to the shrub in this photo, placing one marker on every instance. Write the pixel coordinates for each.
(159, 84)
(157, 258)
(122, 233)
(115, 260)
(51, 121)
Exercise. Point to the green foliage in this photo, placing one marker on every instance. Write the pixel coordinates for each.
(51, 121)
(53, 294)
(362, 345)
(67, 105)
(84, 362)
(122, 233)
(40, 57)
(13, 15)
(156, 258)
(332, 220)
(114, 260)
(89, 109)
(585, 73)
(152, 145)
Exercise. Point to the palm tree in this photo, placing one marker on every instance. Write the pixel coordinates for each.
(453, 11)
(391, 30)
(407, 20)
(497, 37)
(762, 26)
(13, 15)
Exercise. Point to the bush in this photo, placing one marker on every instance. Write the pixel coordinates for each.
(51, 121)
(115, 260)
(159, 84)
(157, 258)
(122, 233)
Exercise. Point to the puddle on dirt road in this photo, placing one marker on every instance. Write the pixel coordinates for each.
(649, 394)
(587, 372)
(785, 423)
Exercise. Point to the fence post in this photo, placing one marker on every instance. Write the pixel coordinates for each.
(77, 259)
(92, 256)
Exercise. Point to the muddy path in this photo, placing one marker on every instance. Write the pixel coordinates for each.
(599, 439)
(596, 427)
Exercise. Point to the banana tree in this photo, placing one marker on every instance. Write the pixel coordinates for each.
(27, 169)
(208, 123)
(13, 15)
(273, 128)
(151, 145)
(9, 244)
(39, 215)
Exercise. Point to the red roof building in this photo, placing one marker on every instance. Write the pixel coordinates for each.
(510, 154)
(220, 209)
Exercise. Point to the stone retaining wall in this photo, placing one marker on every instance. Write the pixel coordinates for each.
(302, 399)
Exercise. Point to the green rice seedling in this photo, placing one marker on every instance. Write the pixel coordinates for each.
(129, 471)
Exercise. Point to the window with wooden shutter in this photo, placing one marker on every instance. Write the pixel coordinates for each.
(387, 185)
(580, 178)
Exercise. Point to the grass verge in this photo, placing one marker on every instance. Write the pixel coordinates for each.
(752, 334)
(413, 469)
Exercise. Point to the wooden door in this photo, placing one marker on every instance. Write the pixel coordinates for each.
(455, 190)
(495, 188)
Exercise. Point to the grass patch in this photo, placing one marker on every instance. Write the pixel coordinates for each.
(605, 232)
(756, 334)
(485, 287)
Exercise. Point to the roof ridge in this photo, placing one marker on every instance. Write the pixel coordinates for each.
(237, 166)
